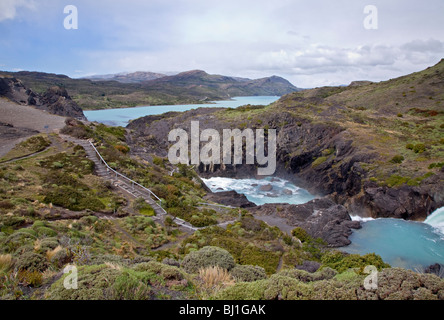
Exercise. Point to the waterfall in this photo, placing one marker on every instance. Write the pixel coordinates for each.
(436, 220)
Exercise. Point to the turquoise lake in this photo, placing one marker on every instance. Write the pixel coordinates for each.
(405, 244)
(122, 116)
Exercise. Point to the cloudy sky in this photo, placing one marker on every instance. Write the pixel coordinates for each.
(311, 43)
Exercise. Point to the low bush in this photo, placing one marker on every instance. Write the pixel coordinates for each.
(397, 159)
(247, 273)
(342, 262)
(268, 260)
(207, 257)
(31, 261)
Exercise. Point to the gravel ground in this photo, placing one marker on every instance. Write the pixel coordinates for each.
(26, 121)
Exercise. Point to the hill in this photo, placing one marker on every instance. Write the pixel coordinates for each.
(376, 148)
(191, 87)
(133, 77)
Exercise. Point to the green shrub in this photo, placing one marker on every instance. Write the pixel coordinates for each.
(94, 283)
(342, 262)
(410, 146)
(167, 272)
(130, 285)
(397, 159)
(30, 278)
(31, 261)
(207, 257)
(419, 148)
(45, 231)
(318, 162)
(301, 234)
(305, 276)
(246, 273)
(252, 255)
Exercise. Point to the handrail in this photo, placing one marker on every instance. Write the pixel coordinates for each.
(125, 177)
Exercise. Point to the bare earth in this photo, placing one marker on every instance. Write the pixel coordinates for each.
(26, 121)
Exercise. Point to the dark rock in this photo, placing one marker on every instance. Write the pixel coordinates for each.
(267, 187)
(436, 269)
(272, 195)
(321, 218)
(55, 100)
(309, 266)
(58, 102)
(287, 192)
(230, 198)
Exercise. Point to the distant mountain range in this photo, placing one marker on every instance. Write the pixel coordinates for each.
(147, 88)
(134, 77)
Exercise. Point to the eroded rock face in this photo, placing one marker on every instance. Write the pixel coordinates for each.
(321, 218)
(320, 157)
(55, 100)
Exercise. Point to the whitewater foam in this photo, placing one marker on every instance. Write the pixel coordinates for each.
(436, 220)
(361, 219)
(282, 191)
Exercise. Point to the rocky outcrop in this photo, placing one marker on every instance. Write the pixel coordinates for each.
(55, 100)
(230, 198)
(321, 218)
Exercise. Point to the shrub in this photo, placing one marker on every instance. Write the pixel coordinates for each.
(45, 231)
(5, 263)
(30, 278)
(207, 257)
(59, 258)
(301, 234)
(397, 159)
(318, 162)
(247, 273)
(215, 277)
(6, 204)
(305, 276)
(130, 286)
(167, 272)
(342, 262)
(419, 148)
(121, 148)
(31, 261)
(410, 146)
(252, 255)
(94, 283)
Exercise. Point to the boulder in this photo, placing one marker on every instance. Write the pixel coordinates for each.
(230, 198)
(267, 187)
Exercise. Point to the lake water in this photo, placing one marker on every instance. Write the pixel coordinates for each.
(282, 191)
(122, 116)
(405, 244)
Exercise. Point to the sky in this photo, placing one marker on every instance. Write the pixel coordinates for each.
(310, 43)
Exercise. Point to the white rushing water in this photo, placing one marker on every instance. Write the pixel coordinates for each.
(268, 190)
(436, 220)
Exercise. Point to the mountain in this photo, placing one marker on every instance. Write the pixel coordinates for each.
(134, 77)
(192, 87)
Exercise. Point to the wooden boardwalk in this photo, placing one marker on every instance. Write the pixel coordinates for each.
(102, 169)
